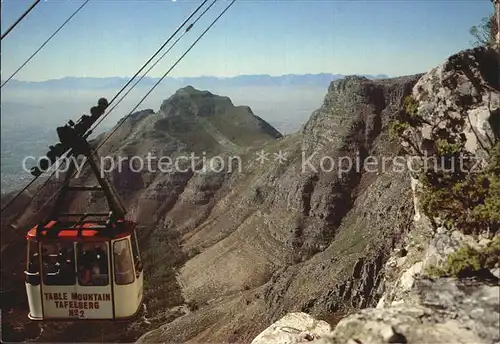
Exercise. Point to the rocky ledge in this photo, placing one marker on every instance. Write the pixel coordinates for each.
(418, 305)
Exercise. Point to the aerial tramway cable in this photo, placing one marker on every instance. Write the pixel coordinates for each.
(159, 81)
(21, 67)
(44, 43)
(8, 203)
(157, 61)
(20, 19)
(138, 104)
(157, 52)
(164, 75)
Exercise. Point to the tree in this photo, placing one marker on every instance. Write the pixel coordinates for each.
(496, 25)
(486, 32)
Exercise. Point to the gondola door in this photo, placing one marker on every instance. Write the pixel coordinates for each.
(93, 298)
(58, 278)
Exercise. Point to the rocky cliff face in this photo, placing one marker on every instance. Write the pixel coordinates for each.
(308, 227)
(310, 222)
(167, 198)
(303, 234)
(460, 101)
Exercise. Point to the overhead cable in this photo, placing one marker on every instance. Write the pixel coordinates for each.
(156, 53)
(11, 201)
(44, 43)
(138, 104)
(164, 76)
(157, 61)
(20, 19)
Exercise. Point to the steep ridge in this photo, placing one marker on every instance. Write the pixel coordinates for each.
(441, 285)
(294, 236)
(186, 122)
(190, 122)
(245, 240)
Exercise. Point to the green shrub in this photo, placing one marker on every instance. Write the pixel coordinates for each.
(405, 119)
(454, 193)
(466, 261)
(194, 252)
(410, 105)
(491, 253)
(494, 161)
(193, 306)
(485, 32)
(447, 149)
(411, 115)
(468, 201)
(397, 128)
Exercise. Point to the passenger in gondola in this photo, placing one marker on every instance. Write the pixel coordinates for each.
(53, 264)
(85, 259)
(95, 269)
(84, 276)
(66, 267)
(96, 275)
(88, 257)
(102, 259)
(45, 258)
(62, 254)
(34, 263)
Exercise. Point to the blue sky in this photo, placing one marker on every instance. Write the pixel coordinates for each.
(115, 37)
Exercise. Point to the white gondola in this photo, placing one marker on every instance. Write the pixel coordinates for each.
(72, 275)
(78, 268)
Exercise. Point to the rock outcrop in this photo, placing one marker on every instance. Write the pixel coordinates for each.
(307, 228)
(294, 328)
(457, 100)
(325, 221)
(437, 311)
(302, 235)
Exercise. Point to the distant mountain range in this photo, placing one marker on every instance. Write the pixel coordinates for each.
(322, 79)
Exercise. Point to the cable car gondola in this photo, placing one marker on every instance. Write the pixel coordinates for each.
(83, 266)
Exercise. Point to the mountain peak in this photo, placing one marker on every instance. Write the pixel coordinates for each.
(191, 101)
(191, 91)
(188, 89)
(193, 120)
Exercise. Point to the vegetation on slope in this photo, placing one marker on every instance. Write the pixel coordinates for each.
(469, 202)
(485, 32)
(468, 261)
(456, 191)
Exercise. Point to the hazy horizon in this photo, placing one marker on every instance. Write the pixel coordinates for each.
(277, 57)
(184, 78)
(202, 76)
(108, 38)
(30, 117)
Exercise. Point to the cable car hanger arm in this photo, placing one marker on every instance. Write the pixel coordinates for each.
(73, 140)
